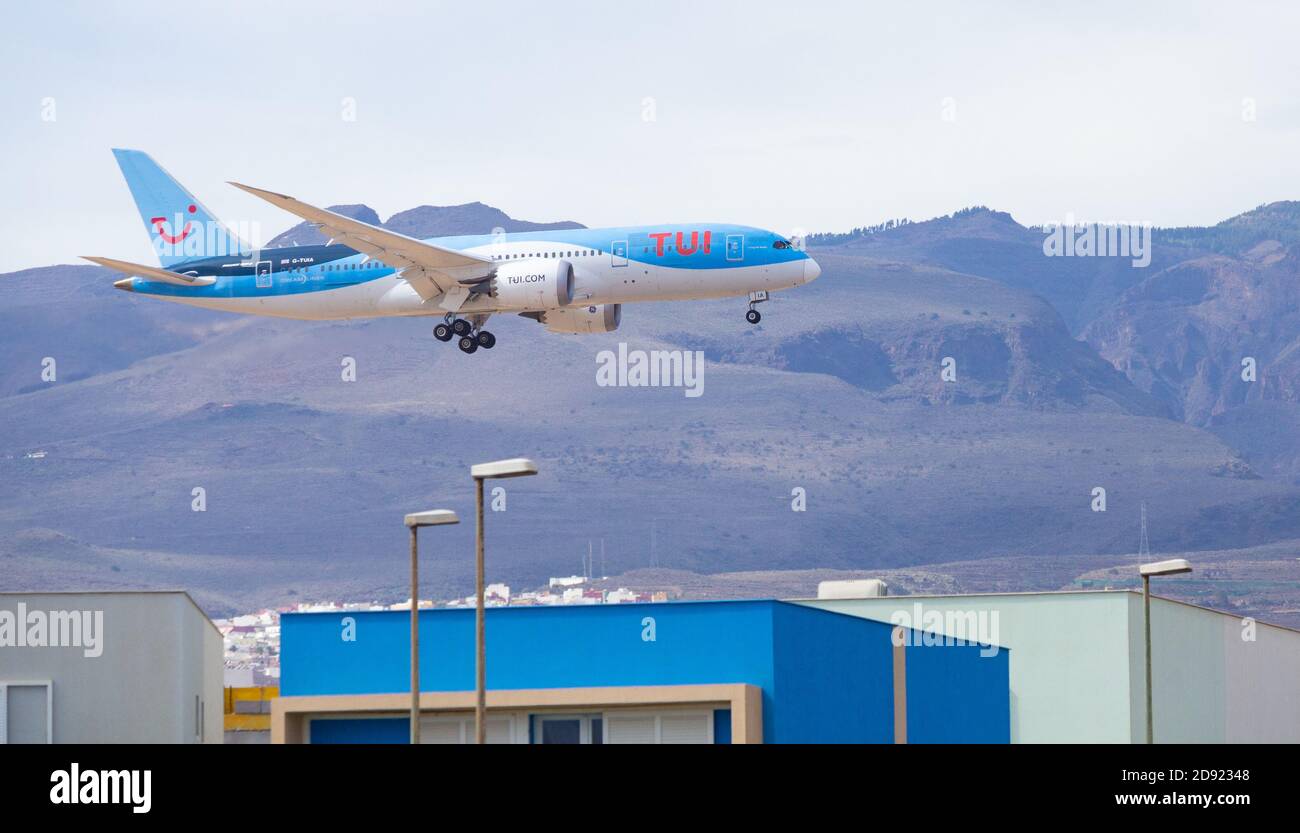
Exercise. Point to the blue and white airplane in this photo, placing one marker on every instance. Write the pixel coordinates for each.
(571, 281)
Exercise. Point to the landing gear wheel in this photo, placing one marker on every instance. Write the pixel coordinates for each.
(486, 340)
(442, 332)
(467, 344)
(461, 327)
(753, 316)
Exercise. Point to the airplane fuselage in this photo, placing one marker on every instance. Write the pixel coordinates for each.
(609, 266)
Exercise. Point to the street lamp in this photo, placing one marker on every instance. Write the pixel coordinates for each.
(517, 467)
(1159, 568)
(415, 520)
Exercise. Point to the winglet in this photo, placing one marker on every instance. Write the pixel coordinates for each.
(259, 192)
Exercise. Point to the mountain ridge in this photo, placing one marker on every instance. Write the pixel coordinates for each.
(422, 222)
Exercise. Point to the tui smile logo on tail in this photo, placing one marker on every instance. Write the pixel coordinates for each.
(160, 226)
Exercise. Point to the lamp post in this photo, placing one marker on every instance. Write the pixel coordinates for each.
(517, 467)
(1159, 568)
(415, 520)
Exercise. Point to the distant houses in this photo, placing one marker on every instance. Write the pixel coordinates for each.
(252, 640)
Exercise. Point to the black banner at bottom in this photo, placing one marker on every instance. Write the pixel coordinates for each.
(252, 784)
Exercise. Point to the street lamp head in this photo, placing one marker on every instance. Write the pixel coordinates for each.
(1165, 568)
(517, 467)
(434, 517)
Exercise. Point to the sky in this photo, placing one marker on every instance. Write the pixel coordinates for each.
(791, 116)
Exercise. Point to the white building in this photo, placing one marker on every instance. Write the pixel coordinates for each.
(122, 667)
(1078, 672)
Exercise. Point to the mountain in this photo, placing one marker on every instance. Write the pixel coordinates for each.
(838, 393)
(1179, 328)
(471, 218)
(1183, 333)
(1216, 337)
(990, 244)
(1277, 223)
(423, 222)
(1007, 347)
(71, 314)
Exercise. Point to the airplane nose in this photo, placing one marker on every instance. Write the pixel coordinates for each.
(810, 270)
(125, 283)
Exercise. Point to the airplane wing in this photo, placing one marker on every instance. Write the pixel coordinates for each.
(430, 270)
(153, 273)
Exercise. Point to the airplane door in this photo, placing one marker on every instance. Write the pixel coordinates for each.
(263, 272)
(618, 253)
(735, 247)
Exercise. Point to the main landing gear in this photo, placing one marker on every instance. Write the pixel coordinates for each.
(469, 336)
(753, 316)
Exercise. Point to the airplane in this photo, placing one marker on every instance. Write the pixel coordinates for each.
(570, 281)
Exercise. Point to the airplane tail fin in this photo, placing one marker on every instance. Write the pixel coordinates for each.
(179, 226)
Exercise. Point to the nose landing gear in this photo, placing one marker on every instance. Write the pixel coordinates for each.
(753, 316)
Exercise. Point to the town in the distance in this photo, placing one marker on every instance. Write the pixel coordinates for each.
(252, 640)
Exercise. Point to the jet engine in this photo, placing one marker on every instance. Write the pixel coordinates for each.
(599, 318)
(533, 284)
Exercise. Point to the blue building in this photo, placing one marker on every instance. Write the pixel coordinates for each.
(709, 672)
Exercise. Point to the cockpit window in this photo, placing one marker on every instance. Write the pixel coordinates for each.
(781, 244)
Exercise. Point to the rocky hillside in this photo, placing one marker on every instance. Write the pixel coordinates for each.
(1004, 346)
(1210, 334)
(1179, 328)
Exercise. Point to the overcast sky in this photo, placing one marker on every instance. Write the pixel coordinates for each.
(787, 115)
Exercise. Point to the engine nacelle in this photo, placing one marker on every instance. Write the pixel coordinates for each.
(600, 318)
(533, 284)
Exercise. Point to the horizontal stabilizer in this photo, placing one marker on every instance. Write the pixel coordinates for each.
(152, 273)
